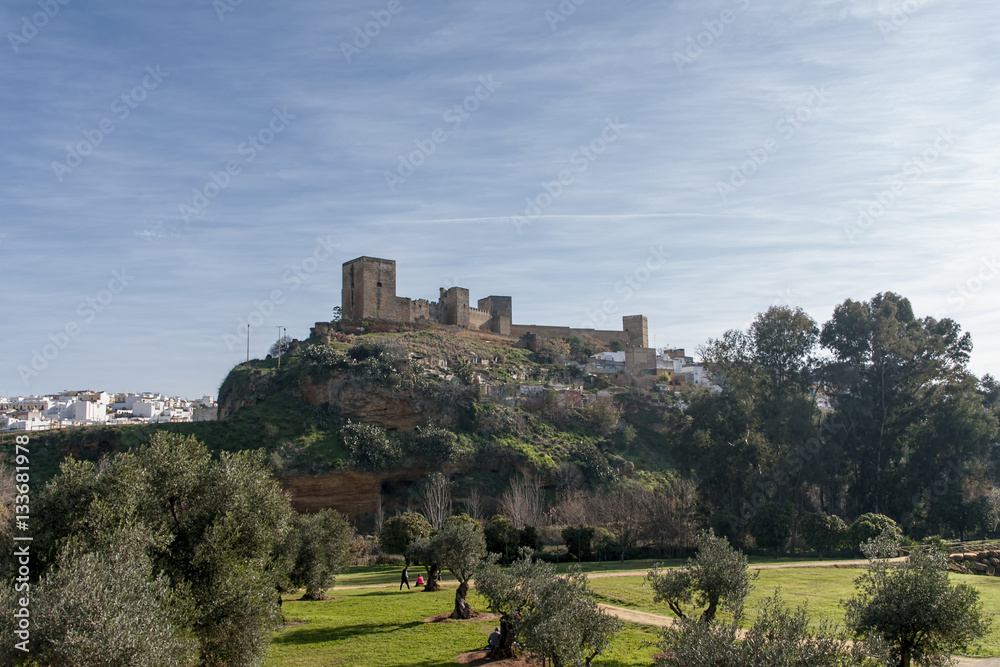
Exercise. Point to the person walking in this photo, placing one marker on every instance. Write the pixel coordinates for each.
(405, 579)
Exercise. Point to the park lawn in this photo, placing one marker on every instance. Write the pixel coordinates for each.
(385, 628)
(375, 575)
(821, 588)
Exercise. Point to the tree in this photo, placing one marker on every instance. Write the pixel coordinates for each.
(317, 550)
(824, 532)
(283, 344)
(338, 314)
(437, 499)
(209, 527)
(522, 502)
(553, 617)
(906, 406)
(102, 608)
(913, 606)
(579, 541)
(399, 532)
(778, 637)
(370, 446)
(502, 537)
(772, 526)
(869, 526)
(716, 576)
(458, 547)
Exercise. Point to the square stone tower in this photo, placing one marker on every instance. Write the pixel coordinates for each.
(455, 306)
(637, 329)
(369, 290)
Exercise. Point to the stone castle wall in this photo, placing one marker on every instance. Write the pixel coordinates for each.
(369, 293)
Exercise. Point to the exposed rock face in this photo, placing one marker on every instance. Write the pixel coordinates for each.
(387, 408)
(353, 492)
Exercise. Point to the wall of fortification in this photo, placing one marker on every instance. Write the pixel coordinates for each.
(477, 318)
(519, 330)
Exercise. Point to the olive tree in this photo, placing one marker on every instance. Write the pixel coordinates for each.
(912, 605)
(716, 576)
(209, 527)
(553, 617)
(458, 547)
(317, 550)
(779, 636)
(101, 608)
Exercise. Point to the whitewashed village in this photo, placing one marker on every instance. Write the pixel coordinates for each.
(100, 408)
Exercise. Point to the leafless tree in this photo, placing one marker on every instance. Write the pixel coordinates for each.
(572, 509)
(623, 510)
(379, 516)
(437, 500)
(670, 522)
(522, 502)
(474, 504)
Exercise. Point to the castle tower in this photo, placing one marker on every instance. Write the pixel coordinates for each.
(499, 308)
(369, 289)
(455, 306)
(637, 329)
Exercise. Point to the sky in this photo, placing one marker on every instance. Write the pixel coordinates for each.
(172, 172)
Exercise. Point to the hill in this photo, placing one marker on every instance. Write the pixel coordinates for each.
(361, 419)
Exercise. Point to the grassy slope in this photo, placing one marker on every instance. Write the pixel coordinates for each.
(306, 438)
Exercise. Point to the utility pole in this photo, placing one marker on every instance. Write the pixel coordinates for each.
(248, 343)
(279, 345)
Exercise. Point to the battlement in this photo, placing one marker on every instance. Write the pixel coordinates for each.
(369, 292)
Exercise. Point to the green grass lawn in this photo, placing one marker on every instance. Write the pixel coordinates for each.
(385, 628)
(381, 626)
(821, 588)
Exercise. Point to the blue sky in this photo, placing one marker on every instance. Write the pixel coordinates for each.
(777, 153)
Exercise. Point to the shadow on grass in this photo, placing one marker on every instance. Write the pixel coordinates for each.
(304, 635)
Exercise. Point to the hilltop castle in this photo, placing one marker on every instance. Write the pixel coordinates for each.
(369, 293)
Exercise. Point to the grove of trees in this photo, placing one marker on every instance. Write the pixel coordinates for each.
(910, 434)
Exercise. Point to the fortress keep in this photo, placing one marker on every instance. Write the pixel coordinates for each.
(369, 293)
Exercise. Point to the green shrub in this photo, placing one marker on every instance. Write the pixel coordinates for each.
(823, 532)
(869, 526)
(370, 447)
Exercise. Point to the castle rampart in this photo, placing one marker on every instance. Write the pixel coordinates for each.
(369, 292)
